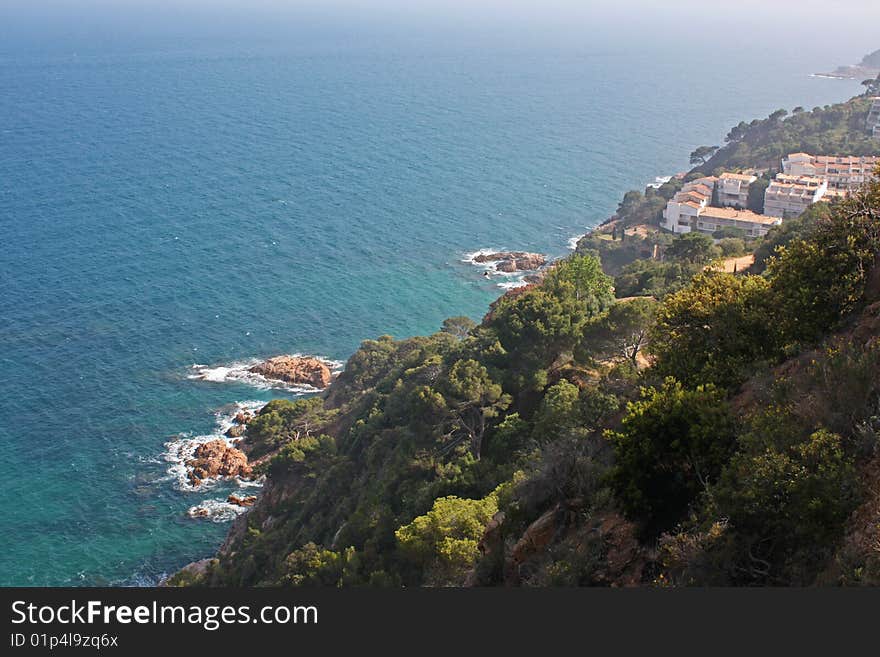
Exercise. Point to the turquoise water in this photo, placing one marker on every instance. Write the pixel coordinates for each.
(162, 207)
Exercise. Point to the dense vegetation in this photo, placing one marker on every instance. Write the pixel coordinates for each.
(627, 421)
(762, 143)
(543, 447)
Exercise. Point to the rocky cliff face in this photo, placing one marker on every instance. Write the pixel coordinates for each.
(520, 559)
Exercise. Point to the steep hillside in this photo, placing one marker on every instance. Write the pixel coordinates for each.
(543, 448)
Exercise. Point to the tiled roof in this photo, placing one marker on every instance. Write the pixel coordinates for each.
(739, 215)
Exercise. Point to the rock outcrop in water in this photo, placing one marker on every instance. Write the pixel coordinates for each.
(216, 459)
(298, 370)
(513, 261)
(239, 424)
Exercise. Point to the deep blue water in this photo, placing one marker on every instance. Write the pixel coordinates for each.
(163, 206)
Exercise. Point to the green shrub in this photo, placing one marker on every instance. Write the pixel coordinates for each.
(443, 542)
(671, 447)
(788, 508)
(714, 330)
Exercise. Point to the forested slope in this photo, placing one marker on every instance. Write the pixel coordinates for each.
(719, 430)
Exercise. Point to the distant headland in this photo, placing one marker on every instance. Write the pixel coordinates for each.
(869, 67)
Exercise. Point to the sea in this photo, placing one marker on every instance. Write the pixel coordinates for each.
(172, 210)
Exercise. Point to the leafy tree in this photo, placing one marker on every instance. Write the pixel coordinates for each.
(778, 115)
(736, 133)
(587, 280)
(511, 440)
(443, 542)
(693, 248)
(818, 280)
(788, 505)
(622, 331)
(311, 455)
(631, 201)
(314, 566)
(732, 247)
(671, 447)
(460, 327)
(790, 230)
(757, 191)
(281, 421)
(714, 330)
(537, 327)
(763, 143)
(473, 399)
(645, 208)
(560, 410)
(615, 255)
(653, 277)
(702, 154)
(364, 369)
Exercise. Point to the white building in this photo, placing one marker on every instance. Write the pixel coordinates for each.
(789, 195)
(846, 173)
(711, 220)
(691, 209)
(732, 190)
(683, 209)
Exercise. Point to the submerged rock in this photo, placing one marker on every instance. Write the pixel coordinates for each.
(217, 459)
(298, 370)
(513, 261)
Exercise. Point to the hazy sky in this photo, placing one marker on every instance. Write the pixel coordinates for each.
(840, 29)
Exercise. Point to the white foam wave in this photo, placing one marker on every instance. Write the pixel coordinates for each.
(239, 372)
(216, 511)
(513, 279)
(512, 285)
(573, 241)
(183, 447)
(226, 415)
(489, 265)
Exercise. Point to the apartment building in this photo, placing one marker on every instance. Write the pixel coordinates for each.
(692, 209)
(845, 173)
(789, 195)
(713, 219)
(732, 190)
(683, 209)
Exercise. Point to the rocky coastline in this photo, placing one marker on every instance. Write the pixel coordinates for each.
(509, 262)
(202, 462)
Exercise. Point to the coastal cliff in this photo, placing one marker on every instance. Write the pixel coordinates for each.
(710, 429)
(869, 67)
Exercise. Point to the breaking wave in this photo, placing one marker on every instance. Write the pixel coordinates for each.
(216, 511)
